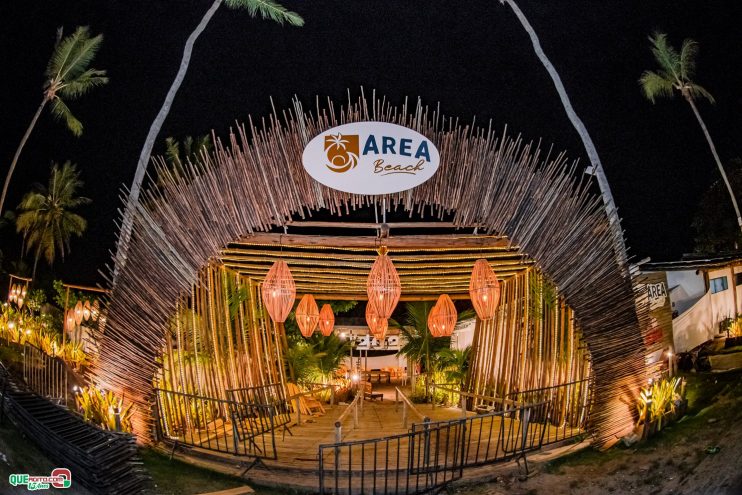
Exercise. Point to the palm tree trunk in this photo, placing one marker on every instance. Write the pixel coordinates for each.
(716, 157)
(592, 153)
(18, 152)
(128, 221)
(36, 261)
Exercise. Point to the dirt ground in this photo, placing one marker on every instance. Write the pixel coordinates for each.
(682, 459)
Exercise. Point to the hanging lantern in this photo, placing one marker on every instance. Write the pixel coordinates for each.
(443, 317)
(432, 323)
(373, 320)
(70, 320)
(23, 291)
(78, 312)
(86, 311)
(13, 293)
(484, 290)
(20, 302)
(383, 286)
(307, 315)
(379, 332)
(326, 320)
(279, 291)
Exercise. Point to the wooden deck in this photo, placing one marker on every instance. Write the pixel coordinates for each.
(298, 448)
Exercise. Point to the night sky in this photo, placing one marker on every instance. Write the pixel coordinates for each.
(471, 57)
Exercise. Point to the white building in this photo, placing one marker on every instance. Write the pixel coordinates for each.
(704, 291)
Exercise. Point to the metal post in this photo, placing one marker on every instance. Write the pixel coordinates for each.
(463, 404)
(338, 432)
(396, 399)
(117, 418)
(355, 413)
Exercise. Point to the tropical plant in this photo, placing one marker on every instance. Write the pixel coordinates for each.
(301, 360)
(68, 77)
(676, 73)
(45, 217)
(99, 407)
(596, 166)
(267, 9)
(455, 365)
(658, 400)
(329, 353)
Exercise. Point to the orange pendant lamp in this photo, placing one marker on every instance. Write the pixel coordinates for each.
(484, 290)
(443, 317)
(78, 312)
(279, 291)
(383, 286)
(373, 320)
(379, 332)
(307, 315)
(326, 320)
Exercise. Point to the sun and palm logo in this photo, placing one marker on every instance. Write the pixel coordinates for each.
(342, 151)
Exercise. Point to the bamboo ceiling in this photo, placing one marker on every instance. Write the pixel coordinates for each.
(256, 182)
(340, 272)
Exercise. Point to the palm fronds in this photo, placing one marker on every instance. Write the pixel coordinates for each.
(267, 9)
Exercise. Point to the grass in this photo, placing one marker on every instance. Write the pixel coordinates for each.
(709, 396)
(173, 477)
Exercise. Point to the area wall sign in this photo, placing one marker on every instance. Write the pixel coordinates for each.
(371, 158)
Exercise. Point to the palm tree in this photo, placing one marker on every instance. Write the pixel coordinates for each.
(45, 217)
(676, 73)
(67, 78)
(268, 9)
(455, 364)
(596, 168)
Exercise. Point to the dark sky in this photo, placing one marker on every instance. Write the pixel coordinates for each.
(472, 57)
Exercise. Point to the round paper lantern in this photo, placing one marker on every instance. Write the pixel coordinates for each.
(383, 286)
(307, 315)
(86, 310)
(326, 320)
(279, 291)
(484, 290)
(13, 294)
(78, 312)
(443, 317)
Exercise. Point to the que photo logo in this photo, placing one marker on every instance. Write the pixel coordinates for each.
(59, 478)
(370, 158)
(342, 152)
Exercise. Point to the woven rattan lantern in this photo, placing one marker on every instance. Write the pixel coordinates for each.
(443, 317)
(326, 320)
(307, 315)
(373, 320)
(78, 312)
(484, 290)
(379, 332)
(432, 323)
(86, 312)
(70, 320)
(383, 286)
(279, 291)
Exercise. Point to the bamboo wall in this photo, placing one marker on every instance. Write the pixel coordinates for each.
(532, 343)
(219, 338)
(257, 182)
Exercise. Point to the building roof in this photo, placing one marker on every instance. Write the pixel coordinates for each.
(694, 262)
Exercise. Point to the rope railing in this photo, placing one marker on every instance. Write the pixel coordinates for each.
(354, 406)
(406, 404)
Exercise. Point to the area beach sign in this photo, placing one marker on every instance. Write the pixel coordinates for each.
(370, 158)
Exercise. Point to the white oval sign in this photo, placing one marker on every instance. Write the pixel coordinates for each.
(370, 158)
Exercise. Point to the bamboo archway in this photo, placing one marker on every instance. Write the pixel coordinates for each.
(256, 182)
